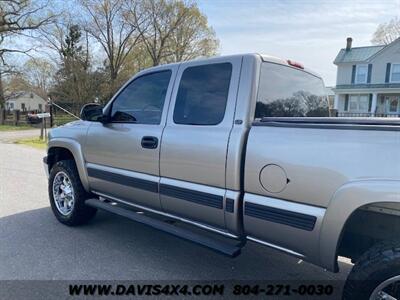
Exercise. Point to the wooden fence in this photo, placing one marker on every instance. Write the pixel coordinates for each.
(15, 118)
(20, 118)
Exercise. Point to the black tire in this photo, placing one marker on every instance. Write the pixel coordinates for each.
(80, 213)
(378, 264)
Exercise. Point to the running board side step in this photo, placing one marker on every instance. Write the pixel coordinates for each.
(219, 246)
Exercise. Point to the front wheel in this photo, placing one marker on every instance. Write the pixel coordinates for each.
(376, 274)
(67, 195)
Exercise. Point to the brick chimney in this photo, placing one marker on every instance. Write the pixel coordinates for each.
(348, 44)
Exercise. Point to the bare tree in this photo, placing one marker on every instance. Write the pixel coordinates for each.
(125, 36)
(107, 26)
(193, 38)
(160, 20)
(53, 37)
(39, 72)
(13, 80)
(387, 32)
(18, 17)
(15, 83)
(172, 30)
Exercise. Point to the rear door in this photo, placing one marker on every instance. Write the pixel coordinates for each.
(123, 156)
(195, 140)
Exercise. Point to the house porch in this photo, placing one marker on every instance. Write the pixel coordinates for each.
(367, 104)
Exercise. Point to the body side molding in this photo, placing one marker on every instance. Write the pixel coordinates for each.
(281, 216)
(213, 197)
(148, 185)
(283, 223)
(198, 197)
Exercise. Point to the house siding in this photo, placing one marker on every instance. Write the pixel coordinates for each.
(31, 103)
(390, 55)
(344, 73)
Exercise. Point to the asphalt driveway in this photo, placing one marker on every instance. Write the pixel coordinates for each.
(34, 246)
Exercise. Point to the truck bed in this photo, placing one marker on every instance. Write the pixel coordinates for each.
(295, 167)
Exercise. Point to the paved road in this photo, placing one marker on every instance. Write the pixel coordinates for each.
(33, 245)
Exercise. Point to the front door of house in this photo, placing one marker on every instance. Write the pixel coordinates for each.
(392, 105)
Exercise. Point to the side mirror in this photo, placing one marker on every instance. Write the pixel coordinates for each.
(92, 112)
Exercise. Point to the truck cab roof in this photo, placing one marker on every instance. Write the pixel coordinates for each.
(263, 57)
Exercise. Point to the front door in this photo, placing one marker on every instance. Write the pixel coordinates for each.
(392, 105)
(122, 156)
(195, 140)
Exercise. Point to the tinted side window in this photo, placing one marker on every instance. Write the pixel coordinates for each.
(202, 94)
(142, 100)
(288, 92)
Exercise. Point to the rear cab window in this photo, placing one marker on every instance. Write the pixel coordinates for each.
(286, 91)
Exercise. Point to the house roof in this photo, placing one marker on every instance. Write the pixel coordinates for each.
(357, 54)
(16, 95)
(329, 91)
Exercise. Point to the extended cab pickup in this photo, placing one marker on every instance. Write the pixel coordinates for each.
(241, 146)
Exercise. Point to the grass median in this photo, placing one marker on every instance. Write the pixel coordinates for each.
(32, 142)
(14, 128)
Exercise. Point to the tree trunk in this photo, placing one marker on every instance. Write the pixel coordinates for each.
(2, 99)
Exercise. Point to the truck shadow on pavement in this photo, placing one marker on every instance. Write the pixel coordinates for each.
(34, 245)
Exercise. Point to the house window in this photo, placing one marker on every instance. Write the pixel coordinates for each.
(346, 103)
(23, 108)
(363, 102)
(361, 73)
(395, 73)
(358, 103)
(392, 104)
(354, 103)
(40, 107)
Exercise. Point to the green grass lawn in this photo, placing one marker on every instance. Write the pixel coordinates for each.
(32, 142)
(63, 119)
(12, 128)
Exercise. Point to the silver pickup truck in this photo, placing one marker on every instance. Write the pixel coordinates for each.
(240, 146)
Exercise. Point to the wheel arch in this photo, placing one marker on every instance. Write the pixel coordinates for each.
(64, 148)
(344, 204)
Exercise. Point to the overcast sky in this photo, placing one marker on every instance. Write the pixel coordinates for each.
(311, 32)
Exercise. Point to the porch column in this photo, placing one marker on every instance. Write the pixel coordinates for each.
(373, 104)
(336, 102)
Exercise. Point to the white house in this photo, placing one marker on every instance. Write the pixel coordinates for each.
(25, 101)
(368, 80)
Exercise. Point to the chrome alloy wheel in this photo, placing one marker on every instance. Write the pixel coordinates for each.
(63, 193)
(387, 290)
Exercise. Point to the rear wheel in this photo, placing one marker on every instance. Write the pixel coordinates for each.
(67, 195)
(376, 274)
